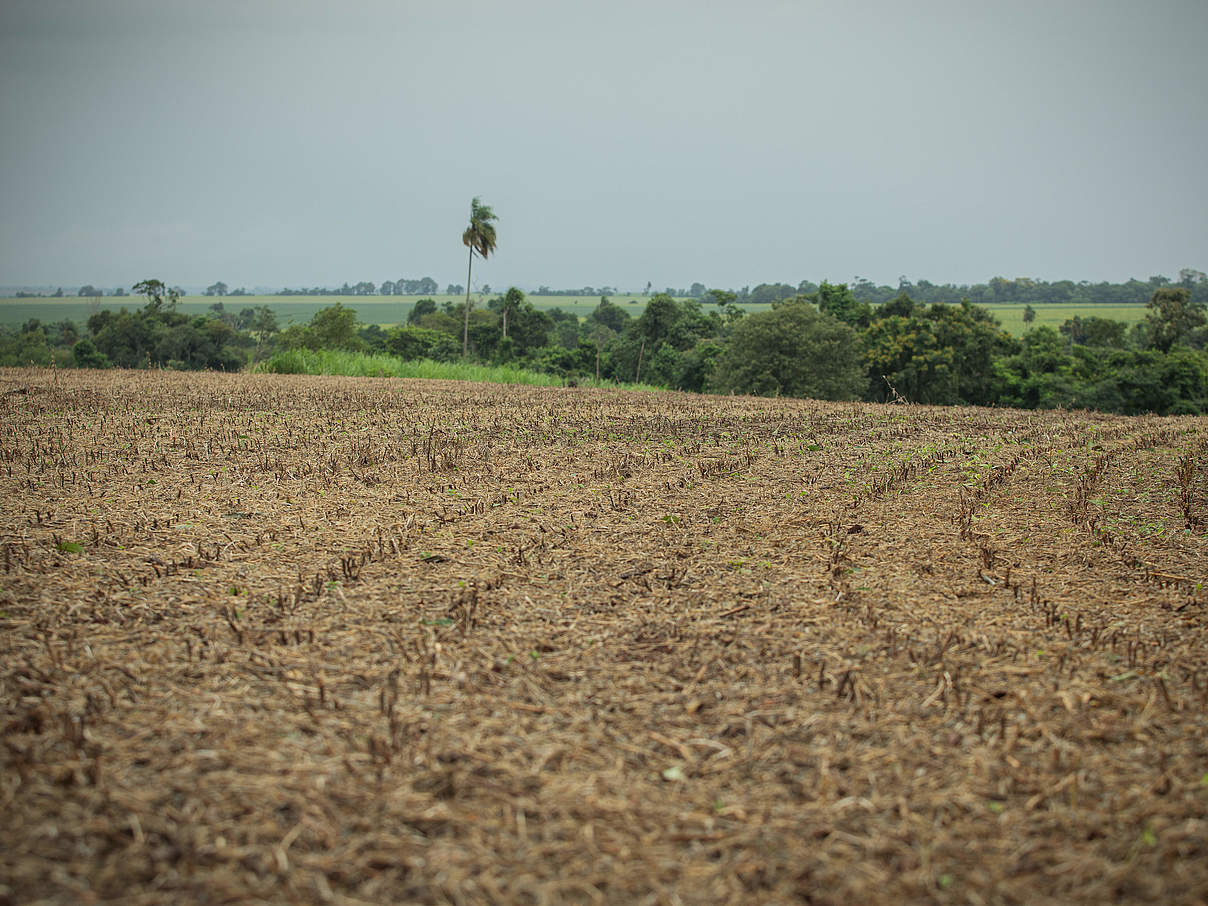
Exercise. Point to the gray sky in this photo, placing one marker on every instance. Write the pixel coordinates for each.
(301, 143)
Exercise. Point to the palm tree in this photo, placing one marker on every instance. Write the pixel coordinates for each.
(479, 237)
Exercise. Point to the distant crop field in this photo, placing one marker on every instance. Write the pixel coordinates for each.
(388, 310)
(1011, 315)
(313, 639)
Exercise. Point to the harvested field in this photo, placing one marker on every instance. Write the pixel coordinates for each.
(291, 639)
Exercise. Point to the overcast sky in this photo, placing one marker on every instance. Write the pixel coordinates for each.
(299, 143)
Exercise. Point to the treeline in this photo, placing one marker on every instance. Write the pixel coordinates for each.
(403, 286)
(87, 290)
(1024, 290)
(999, 290)
(826, 344)
(157, 335)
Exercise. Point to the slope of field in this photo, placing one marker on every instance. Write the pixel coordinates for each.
(295, 639)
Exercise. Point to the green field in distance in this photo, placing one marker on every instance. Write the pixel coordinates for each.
(386, 310)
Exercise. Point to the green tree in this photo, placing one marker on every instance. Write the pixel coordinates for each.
(609, 314)
(264, 322)
(836, 299)
(124, 337)
(903, 354)
(1040, 375)
(943, 354)
(509, 304)
(721, 298)
(1029, 314)
(901, 305)
(658, 340)
(1172, 315)
(157, 294)
(413, 342)
(335, 328)
(479, 237)
(656, 321)
(770, 292)
(530, 328)
(792, 350)
(85, 355)
(419, 309)
(1094, 331)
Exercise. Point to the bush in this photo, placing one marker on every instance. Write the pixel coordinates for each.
(412, 342)
(84, 354)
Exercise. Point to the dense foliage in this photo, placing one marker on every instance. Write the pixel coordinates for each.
(826, 343)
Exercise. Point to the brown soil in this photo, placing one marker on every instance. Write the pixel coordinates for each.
(291, 639)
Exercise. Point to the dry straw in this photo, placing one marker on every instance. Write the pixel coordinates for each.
(293, 639)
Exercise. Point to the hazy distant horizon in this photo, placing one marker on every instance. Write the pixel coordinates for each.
(302, 143)
(71, 290)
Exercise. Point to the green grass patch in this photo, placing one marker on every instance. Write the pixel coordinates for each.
(357, 364)
(1010, 315)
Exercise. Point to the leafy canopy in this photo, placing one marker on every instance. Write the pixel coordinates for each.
(480, 234)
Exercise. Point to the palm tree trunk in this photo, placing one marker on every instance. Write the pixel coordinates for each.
(465, 334)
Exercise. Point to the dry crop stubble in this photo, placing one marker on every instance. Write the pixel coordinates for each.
(324, 639)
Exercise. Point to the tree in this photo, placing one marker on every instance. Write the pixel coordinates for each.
(510, 304)
(836, 299)
(792, 350)
(905, 357)
(766, 293)
(1093, 331)
(479, 237)
(419, 309)
(901, 305)
(610, 315)
(157, 293)
(656, 321)
(216, 289)
(1172, 315)
(412, 342)
(1029, 314)
(528, 328)
(89, 290)
(85, 355)
(335, 328)
(939, 355)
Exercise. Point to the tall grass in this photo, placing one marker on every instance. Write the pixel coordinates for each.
(359, 364)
